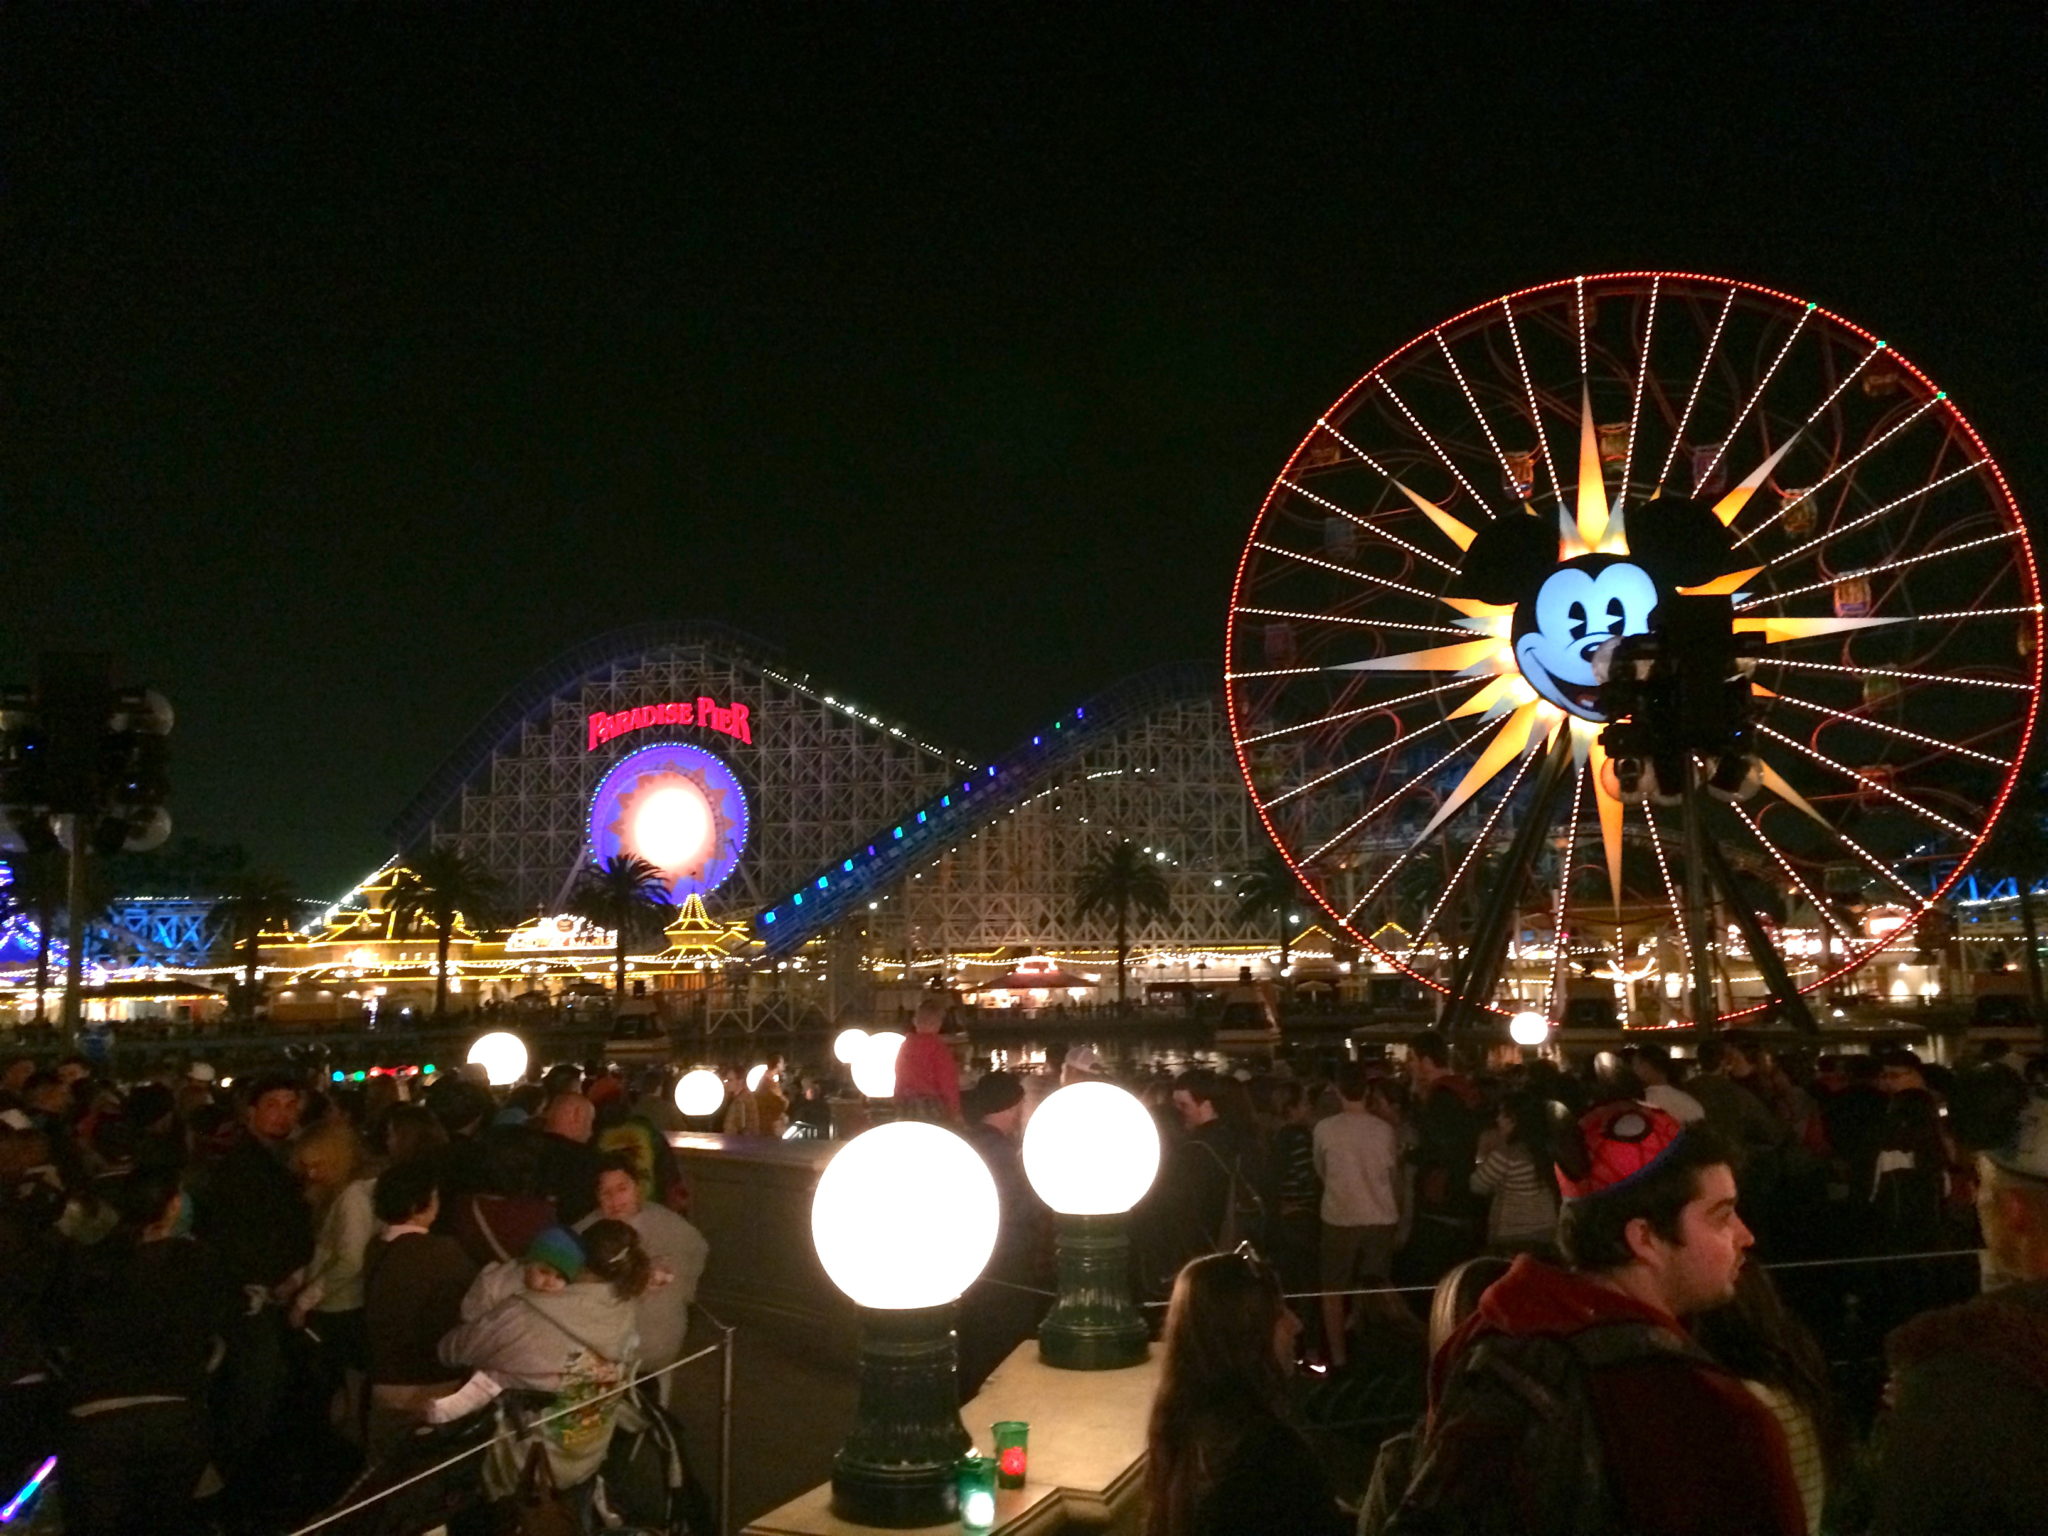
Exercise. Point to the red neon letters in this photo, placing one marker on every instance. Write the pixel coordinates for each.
(708, 713)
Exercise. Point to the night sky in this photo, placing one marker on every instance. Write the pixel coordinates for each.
(358, 359)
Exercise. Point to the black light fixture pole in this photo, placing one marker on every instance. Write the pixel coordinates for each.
(895, 1468)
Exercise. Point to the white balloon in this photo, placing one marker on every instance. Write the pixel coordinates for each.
(699, 1093)
(874, 1068)
(502, 1055)
(1091, 1149)
(905, 1216)
(847, 1045)
(755, 1073)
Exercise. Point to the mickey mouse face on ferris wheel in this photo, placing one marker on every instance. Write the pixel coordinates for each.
(1566, 609)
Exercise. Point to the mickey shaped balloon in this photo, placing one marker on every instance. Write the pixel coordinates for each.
(1566, 609)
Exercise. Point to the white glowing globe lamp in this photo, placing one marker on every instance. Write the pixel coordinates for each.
(1091, 1150)
(699, 1093)
(874, 1069)
(847, 1044)
(905, 1216)
(502, 1055)
(755, 1073)
(1528, 1029)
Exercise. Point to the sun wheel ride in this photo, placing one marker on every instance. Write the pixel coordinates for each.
(1437, 584)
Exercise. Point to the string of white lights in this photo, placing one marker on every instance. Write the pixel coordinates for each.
(1869, 783)
(1535, 411)
(1359, 762)
(1756, 394)
(1343, 570)
(1480, 416)
(1471, 852)
(1893, 730)
(1635, 410)
(1871, 516)
(1849, 463)
(1366, 523)
(1434, 447)
(1351, 714)
(1873, 570)
(1706, 362)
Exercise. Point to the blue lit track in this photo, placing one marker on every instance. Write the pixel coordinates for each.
(974, 800)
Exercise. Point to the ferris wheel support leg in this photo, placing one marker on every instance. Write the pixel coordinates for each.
(1699, 910)
(1478, 972)
(1786, 997)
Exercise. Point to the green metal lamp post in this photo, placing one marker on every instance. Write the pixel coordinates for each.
(1091, 1151)
(904, 1220)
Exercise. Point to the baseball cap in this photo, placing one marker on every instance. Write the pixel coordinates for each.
(200, 1072)
(1623, 1142)
(1082, 1058)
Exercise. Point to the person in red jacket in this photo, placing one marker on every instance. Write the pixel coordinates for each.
(927, 1076)
(1677, 1444)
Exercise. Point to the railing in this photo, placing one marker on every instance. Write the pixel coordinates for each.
(723, 1349)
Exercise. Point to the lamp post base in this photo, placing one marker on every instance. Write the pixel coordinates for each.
(897, 1467)
(1093, 1326)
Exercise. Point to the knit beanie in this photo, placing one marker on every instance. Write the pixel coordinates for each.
(559, 1249)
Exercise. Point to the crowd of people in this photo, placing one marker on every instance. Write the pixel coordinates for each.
(218, 1303)
(1607, 1349)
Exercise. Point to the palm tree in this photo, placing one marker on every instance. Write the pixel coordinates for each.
(627, 895)
(251, 903)
(1270, 889)
(1121, 880)
(438, 885)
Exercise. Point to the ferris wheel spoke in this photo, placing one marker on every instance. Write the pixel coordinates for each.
(1847, 464)
(1693, 399)
(1359, 762)
(1387, 388)
(1772, 659)
(1757, 394)
(1345, 618)
(1478, 843)
(1535, 410)
(1871, 516)
(1367, 524)
(1868, 782)
(1378, 707)
(1635, 410)
(1888, 729)
(1900, 564)
(1777, 854)
(1420, 778)
(1507, 474)
(1564, 882)
(1775, 782)
(1684, 929)
(1346, 570)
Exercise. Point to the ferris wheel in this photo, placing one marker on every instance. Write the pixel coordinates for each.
(1435, 587)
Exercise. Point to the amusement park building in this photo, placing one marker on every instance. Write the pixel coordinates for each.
(796, 815)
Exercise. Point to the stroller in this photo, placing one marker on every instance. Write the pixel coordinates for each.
(451, 1494)
(646, 1484)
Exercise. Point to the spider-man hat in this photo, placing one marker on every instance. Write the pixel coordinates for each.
(1621, 1143)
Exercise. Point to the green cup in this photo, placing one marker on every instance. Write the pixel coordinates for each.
(1012, 1438)
(977, 1476)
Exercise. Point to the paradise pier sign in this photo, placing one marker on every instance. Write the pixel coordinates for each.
(731, 719)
